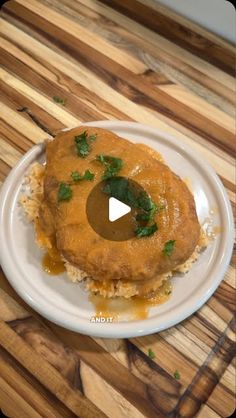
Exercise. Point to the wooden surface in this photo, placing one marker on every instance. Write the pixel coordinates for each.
(127, 60)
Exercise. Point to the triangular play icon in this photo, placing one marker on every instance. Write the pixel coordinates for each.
(117, 209)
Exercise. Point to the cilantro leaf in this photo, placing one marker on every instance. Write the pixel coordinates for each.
(86, 176)
(113, 165)
(120, 188)
(177, 375)
(144, 202)
(64, 192)
(146, 231)
(151, 354)
(57, 99)
(168, 247)
(82, 143)
(148, 206)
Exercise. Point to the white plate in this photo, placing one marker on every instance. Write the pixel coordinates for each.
(67, 304)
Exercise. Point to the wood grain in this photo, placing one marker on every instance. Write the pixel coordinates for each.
(182, 34)
(115, 74)
(133, 60)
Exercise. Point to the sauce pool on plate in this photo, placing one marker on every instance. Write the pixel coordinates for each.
(135, 308)
(115, 308)
(52, 262)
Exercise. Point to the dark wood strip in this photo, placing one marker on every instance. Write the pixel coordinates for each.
(228, 184)
(15, 100)
(222, 401)
(127, 83)
(16, 138)
(19, 142)
(204, 330)
(51, 378)
(20, 69)
(4, 170)
(156, 78)
(74, 93)
(50, 89)
(92, 354)
(227, 296)
(161, 385)
(55, 339)
(137, 46)
(207, 377)
(12, 364)
(176, 33)
(114, 373)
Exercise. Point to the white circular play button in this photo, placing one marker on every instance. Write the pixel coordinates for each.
(108, 210)
(117, 209)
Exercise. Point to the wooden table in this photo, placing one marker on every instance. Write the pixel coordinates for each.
(127, 60)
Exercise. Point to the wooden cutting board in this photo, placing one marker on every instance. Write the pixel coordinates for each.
(127, 60)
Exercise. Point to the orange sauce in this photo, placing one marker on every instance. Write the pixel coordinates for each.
(188, 183)
(133, 308)
(52, 262)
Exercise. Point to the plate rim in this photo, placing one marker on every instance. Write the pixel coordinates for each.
(138, 327)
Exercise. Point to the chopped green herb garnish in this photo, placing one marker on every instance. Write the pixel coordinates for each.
(92, 137)
(86, 176)
(146, 203)
(146, 231)
(123, 190)
(120, 188)
(151, 354)
(64, 192)
(177, 375)
(168, 247)
(113, 165)
(59, 100)
(82, 143)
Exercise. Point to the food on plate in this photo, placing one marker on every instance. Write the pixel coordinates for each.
(167, 235)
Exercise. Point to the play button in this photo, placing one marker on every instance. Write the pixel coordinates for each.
(108, 210)
(117, 209)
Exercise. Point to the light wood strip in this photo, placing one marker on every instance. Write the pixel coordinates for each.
(24, 388)
(74, 29)
(89, 81)
(157, 99)
(207, 412)
(46, 374)
(178, 34)
(17, 101)
(160, 43)
(56, 110)
(20, 142)
(108, 66)
(200, 105)
(28, 129)
(10, 309)
(203, 32)
(105, 397)
(230, 277)
(214, 319)
(130, 36)
(4, 170)
(20, 408)
(8, 153)
(79, 100)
